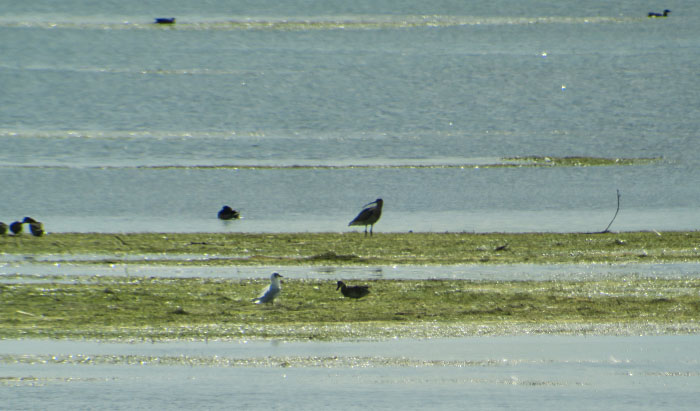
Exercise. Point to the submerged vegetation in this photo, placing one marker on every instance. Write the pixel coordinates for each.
(356, 249)
(504, 162)
(546, 161)
(195, 308)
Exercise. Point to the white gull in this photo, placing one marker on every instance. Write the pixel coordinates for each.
(271, 291)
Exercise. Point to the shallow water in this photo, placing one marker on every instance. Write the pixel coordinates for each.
(18, 271)
(520, 372)
(112, 124)
(379, 84)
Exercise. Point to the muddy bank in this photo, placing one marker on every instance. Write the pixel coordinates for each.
(201, 309)
(356, 249)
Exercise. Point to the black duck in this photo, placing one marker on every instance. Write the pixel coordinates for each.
(228, 213)
(353, 291)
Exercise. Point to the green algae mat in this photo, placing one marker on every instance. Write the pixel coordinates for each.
(194, 308)
(137, 308)
(356, 249)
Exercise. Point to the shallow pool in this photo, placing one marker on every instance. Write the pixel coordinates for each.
(504, 372)
(16, 271)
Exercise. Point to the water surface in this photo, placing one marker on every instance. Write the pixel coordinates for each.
(523, 372)
(18, 270)
(112, 124)
(95, 96)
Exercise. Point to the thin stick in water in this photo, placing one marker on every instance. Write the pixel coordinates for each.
(607, 229)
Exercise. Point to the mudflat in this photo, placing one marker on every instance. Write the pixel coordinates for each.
(356, 249)
(138, 308)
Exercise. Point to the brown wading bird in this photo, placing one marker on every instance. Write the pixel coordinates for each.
(354, 291)
(369, 216)
(35, 227)
(228, 213)
(3, 228)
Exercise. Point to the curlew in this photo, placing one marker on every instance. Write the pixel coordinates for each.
(369, 216)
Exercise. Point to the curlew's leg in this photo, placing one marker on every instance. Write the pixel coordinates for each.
(371, 230)
(365, 231)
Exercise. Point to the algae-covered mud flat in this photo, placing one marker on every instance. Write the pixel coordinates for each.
(125, 308)
(128, 307)
(356, 249)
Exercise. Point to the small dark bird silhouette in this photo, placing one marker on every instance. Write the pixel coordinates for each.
(3, 228)
(35, 227)
(16, 227)
(165, 20)
(652, 14)
(228, 213)
(354, 291)
(369, 216)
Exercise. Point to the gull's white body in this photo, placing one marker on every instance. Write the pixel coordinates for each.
(273, 290)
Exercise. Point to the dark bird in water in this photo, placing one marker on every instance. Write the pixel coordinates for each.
(35, 227)
(228, 213)
(3, 228)
(165, 20)
(271, 291)
(16, 227)
(652, 14)
(354, 291)
(369, 216)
